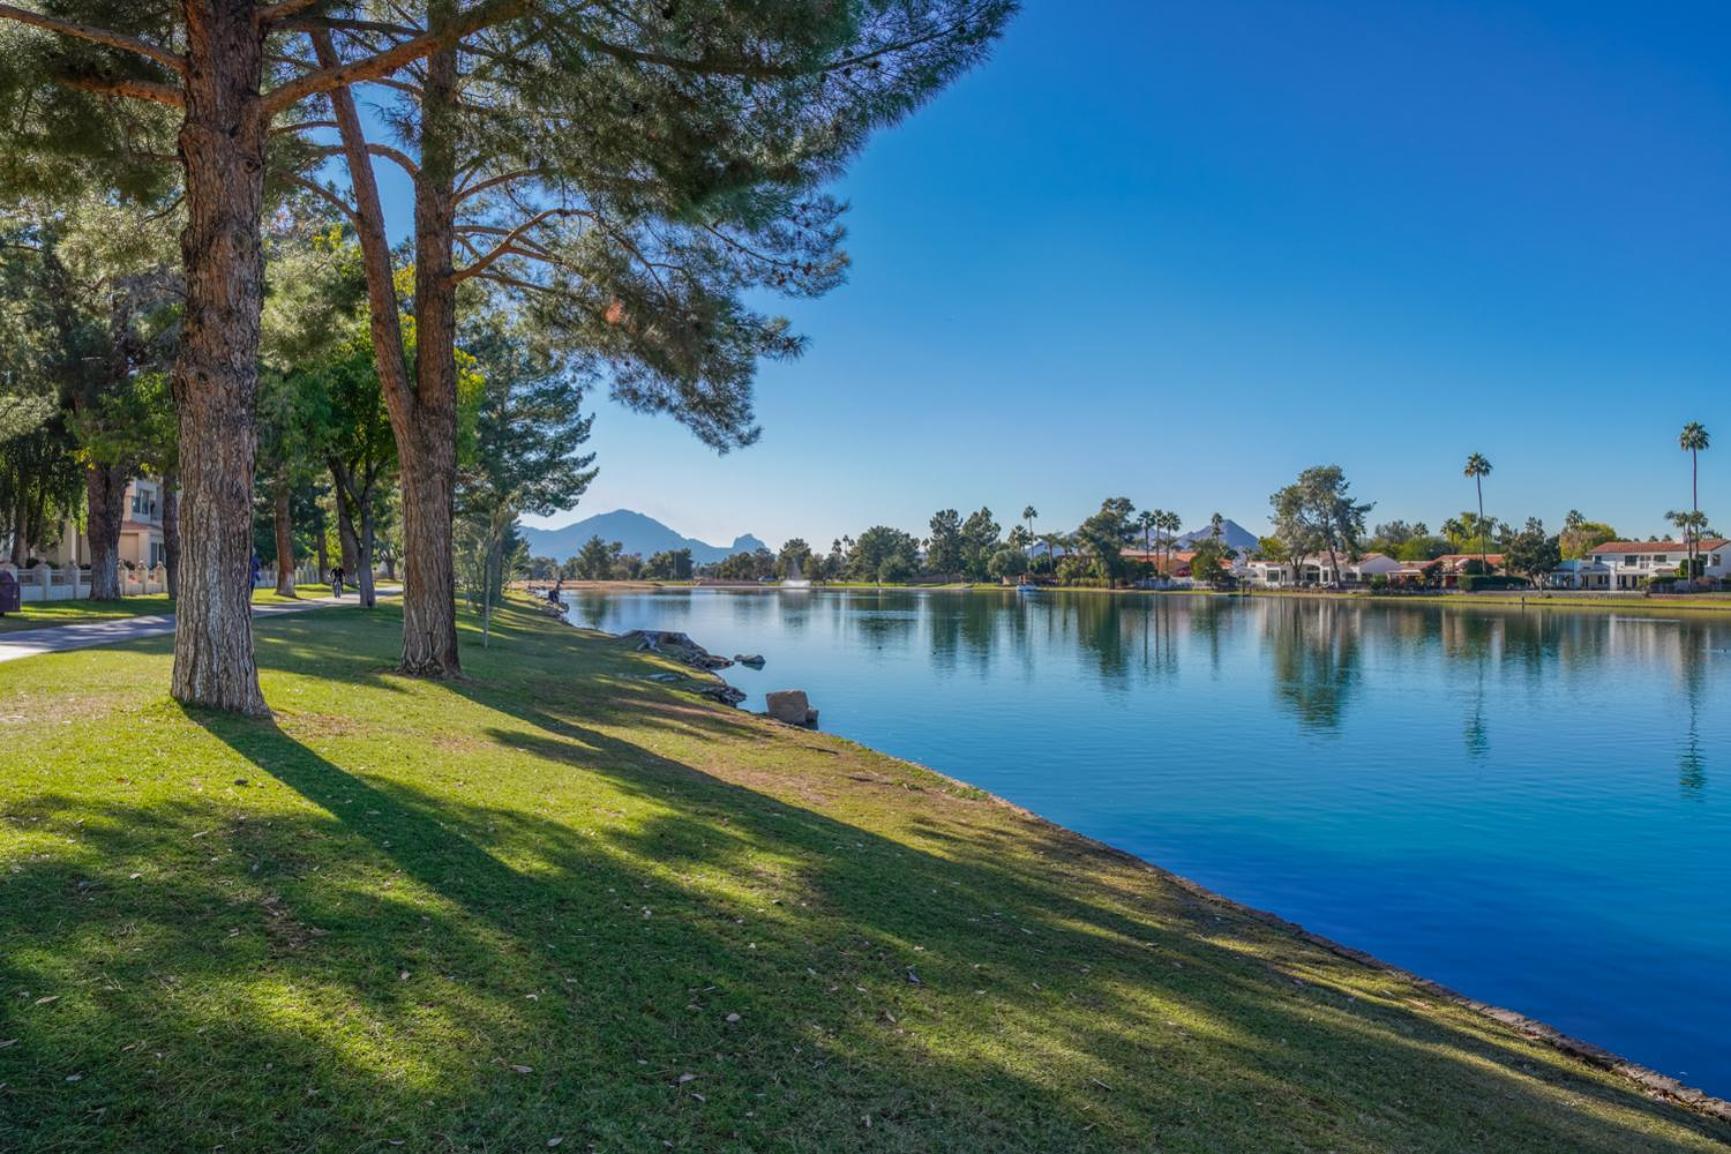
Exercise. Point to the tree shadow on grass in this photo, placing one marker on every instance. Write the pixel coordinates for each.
(337, 957)
(1075, 900)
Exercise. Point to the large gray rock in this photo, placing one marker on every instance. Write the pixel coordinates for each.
(724, 693)
(678, 646)
(791, 707)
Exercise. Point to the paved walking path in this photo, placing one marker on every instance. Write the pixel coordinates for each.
(85, 634)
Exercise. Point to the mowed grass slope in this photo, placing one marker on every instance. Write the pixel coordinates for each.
(560, 901)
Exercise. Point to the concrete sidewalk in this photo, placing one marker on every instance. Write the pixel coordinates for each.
(86, 634)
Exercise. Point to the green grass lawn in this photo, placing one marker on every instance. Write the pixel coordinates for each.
(559, 901)
(43, 614)
(266, 594)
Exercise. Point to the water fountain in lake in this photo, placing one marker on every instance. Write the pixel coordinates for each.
(794, 580)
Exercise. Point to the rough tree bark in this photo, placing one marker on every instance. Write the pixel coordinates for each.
(222, 151)
(429, 467)
(283, 521)
(171, 532)
(105, 493)
(424, 415)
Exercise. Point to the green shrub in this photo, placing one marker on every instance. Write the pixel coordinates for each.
(1482, 582)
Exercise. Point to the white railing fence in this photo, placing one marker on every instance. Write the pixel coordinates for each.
(45, 582)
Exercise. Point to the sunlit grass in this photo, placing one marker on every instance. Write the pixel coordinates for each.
(559, 900)
(43, 614)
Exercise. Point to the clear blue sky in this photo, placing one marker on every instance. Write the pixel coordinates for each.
(1179, 251)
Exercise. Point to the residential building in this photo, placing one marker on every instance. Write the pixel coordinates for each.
(1631, 564)
(1580, 573)
(140, 530)
(1343, 571)
(1451, 567)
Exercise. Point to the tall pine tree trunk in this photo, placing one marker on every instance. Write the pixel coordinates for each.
(424, 414)
(171, 532)
(222, 149)
(283, 521)
(105, 493)
(429, 459)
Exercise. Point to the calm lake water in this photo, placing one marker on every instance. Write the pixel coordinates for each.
(1531, 807)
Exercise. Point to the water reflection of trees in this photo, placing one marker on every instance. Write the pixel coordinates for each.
(1123, 638)
(1474, 639)
(1315, 653)
(1693, 649)
(962, 625)
(880, 619)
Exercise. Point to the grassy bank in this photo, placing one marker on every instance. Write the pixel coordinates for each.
(561, 901)
(1695, 603)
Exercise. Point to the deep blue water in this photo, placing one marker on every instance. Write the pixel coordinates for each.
(1528, 806)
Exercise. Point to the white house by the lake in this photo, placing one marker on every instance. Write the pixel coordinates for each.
(1631, 564)
(1343, 570)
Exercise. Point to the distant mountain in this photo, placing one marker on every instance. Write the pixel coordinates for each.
(637, 533)
(1236, 536)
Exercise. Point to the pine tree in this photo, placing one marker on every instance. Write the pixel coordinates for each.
(630, 172)
(93, 90)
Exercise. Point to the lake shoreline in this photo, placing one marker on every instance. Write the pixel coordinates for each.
(566, 897)
(1706, 603)
(1649, 1081)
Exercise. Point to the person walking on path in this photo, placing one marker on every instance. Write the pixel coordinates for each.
(337, 576)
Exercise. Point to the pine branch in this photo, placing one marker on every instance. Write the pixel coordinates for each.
(327, 196)
(514, 282)
(495, 181)
(384, 63)
(757, 70)
(282, 10)
(301, 126)
(95, 35)
(505, 247)
(337, 24)
(521, 246)
(397, 155)
(400, 157)
(165, 94)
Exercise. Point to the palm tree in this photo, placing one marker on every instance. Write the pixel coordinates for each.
(1478, 469)
(1147, 520)
(1170, 524)
(1028, 515)
(1456, 531)
(1217, 526)
(1694, 441)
